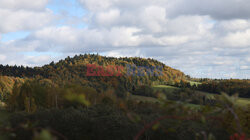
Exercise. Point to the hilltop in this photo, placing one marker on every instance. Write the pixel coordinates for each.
(73, 70)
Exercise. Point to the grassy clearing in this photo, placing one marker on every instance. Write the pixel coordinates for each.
(243, 102)
(194, 83)
(165, 88)
(193, 106)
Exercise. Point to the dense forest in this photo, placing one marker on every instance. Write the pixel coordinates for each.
(73, 70)
(59, 101)
(229, 86)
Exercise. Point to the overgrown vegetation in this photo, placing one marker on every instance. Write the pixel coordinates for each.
(58, 101)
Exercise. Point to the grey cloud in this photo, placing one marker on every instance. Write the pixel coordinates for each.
(218, 9)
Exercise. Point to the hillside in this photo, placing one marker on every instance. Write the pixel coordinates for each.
(97, 97)
(74, 70)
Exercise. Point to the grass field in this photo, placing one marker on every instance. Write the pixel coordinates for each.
(165, 87)
(194, 83)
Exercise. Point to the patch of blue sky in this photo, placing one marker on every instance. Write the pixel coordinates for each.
(78, 26)
(68, 9)
(14, 36)
(212, 21)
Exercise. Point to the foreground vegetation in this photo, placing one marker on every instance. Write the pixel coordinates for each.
(109, 117)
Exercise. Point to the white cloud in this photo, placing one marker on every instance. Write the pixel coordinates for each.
(108, 17)
(153, 17)
(23, 4)
(234, 25)
(95, 5)
(172, 40)
(18, 20)
(229, 9)
(248, 59)
(238, 39)
(2, 57)
(28, 60)
(123, 36)
(23, 15)
(66, 38)
(34, 60)
(245, 67)
(58, 35)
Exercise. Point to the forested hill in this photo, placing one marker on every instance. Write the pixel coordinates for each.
(74, 70)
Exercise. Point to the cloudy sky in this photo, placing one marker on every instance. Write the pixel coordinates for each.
(209, 38)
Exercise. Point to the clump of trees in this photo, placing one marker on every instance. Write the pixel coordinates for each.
(40, 94)
(6, 86)
(231, 86)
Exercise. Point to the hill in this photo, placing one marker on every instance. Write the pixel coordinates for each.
(74, 71)
(97, 97)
